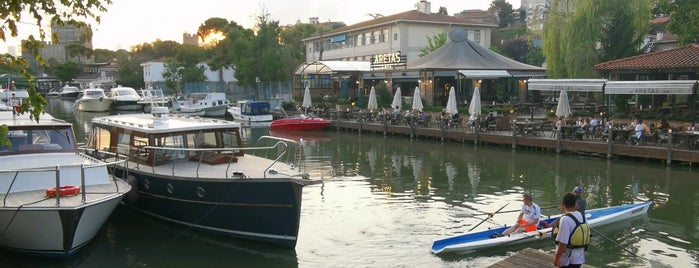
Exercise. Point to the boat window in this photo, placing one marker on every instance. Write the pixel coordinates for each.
(123, 143)
(38, 140)
(100, 139)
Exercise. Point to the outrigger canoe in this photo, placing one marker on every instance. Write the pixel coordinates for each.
(481, 239)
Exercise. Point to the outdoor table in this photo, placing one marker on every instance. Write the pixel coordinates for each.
(569, 131)
(687, 138)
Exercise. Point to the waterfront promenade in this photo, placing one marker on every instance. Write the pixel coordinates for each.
(677, 147)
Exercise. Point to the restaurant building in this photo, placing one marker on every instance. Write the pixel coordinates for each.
(379, 51)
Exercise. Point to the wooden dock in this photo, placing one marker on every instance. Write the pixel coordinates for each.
(667, 152)
(528, 257)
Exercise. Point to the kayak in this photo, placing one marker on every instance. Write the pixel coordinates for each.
(482, 239)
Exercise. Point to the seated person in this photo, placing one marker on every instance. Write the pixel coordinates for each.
(528, 218)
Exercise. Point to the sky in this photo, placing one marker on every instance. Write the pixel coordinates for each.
(131, 22)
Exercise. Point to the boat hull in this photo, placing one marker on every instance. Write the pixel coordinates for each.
(481, 239)
(127, 105)
(53, 231)
(299, 124)
(234, 208)
(93, 105)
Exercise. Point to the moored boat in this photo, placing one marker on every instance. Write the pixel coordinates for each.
(202, 104)
(482, 239)
(299, 122)
(251, 111)
(55, 199)
(125, 99)
(69, 92)
(93, 100)
(153, 98)
(194, 171)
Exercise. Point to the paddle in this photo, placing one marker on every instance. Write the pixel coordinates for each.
(617, 244)
(489, 216)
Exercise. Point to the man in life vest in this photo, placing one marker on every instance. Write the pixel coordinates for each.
(528, 218)
(573, 235)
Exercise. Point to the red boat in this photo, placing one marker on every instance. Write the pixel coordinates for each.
(299, 122)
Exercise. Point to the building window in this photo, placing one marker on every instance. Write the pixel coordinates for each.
(395, 37)
(384, 36)
(367, 38)
(474, 36)
(360, 40)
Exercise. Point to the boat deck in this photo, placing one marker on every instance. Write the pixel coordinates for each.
(528, 257)
(38, 198)
(253, 167)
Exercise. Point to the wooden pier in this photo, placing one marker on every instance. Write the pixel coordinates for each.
(528, 257)
(667, 152)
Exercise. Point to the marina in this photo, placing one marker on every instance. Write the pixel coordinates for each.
(384, 199)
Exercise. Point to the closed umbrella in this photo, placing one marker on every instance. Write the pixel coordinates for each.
(563, 108)
(306, 99)
(451, 102)
(397, 101)
(417, 102)
(475, 107)
(372, 100)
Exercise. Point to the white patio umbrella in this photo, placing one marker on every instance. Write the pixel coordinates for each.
(563, 108)
(306, 99)
(451, 102)
(417, 101)
(372, 100)
(397, 99)
(475, 107)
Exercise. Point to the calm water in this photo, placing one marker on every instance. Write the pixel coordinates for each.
(384, 199)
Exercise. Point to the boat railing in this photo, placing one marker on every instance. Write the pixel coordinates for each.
(56, 170)
(225, 155)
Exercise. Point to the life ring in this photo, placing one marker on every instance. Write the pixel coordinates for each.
(63, 191)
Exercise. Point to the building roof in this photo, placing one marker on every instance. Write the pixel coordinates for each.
(459, 53)
(683, 57)
(410, 16)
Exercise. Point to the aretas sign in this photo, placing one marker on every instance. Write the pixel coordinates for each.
(388, 61)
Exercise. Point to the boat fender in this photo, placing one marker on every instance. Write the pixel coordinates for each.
(68, 190)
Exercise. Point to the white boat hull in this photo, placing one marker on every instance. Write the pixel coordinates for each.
(93, 105)
(54, 231)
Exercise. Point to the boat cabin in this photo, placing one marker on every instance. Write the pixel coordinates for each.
(27, 136)
(254, 107)
(161, 138)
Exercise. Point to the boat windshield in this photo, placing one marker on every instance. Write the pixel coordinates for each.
(38, 140)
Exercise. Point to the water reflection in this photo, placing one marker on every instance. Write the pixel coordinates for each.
(385, 198)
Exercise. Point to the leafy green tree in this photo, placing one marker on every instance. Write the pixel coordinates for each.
(78, 51)
(505, 12)
(684, 19)
(433, 43)
(66, 71)
(42, 13)
(218, 55)
(171, 74)
(577, 37)
(103, 55)
(184, 68)
(443, 11)
(295, 48)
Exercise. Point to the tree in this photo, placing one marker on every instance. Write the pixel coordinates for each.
(66, 71)
(578, 36)
(43, 12)
(505, 12)
(78, 51)
(103, 55)
(684, 19)
(295, 48)
(443, 11)
(433, 43)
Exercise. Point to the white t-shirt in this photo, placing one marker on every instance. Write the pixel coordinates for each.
(531, 213)
(570, 255)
